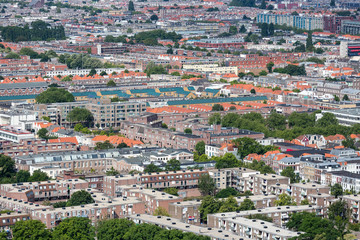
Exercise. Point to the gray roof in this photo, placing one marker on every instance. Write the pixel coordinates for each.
(23, 85)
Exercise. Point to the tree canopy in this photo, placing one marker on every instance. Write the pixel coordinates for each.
(54, 95)
(80, 198)
(81, 115)
(206, 185)
(74, 228)
(39, 31)
(30, 230)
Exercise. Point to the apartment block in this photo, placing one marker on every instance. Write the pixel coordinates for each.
(232, 177)
(105, 112)
(151, 198)
(262, 183)
(173, 223)
(280, 215)
(103, 208)
(303, 191)
(303, 22)
(39, 191)
(188, 211)
(10, 218)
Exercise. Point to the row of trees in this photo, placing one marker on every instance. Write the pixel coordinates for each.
(210, 205)
(44, 57)
(81, 228)
(80, 61)
(171, 165)
(292, 70)
(336, 226)
(9, 174)
(151, 37)
(78, 198)
(54, 95)
(278, 125)
(38, 31)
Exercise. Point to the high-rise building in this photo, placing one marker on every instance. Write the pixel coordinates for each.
(302, 22)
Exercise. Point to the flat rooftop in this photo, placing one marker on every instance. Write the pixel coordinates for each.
(173, 223)
(267, 210)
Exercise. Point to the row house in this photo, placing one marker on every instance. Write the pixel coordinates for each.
(7, 220)
(151, 198)
(232, 177)
(103, 208)
(279, 214)
(262, 183)
(188, 211)
(174, 223)
(353, 202)
(38, 191)
(184, 179)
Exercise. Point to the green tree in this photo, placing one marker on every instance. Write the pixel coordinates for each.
(262, 5)
(188, 131)
(346, 98)
(200, 148)
(54, 95)
(154, 17)
(152, 168)
(113, 229)
(227, 192)
(103, 73)
(7, 168)
(332, 3)
(229, 205)
(22, 176)
(29, 52)
(312, 226)
(80, 198)
(30, 230)
(227, 161)
(327, 119)
(304, 202)
(111, 83)
(263, 73)
(142, 232)
(336, 190)
(78, 127)
(92, 72)
(215, 119)
(206, 185)
(42, 133)
(38, 176)
(284, 200)
(103, 145)
(233, 30)
(122, 145)
(276, 121)
(270, 66)
(164, 125)
(309, 43)
(242, 29)
(81, 115)
(289, 172)
(112, 172)
(173, 165)
(74, 228)
(131, 7)
(172, 191)
(160, 211)
(252, 91)
(208, 205)
(246, 205)
(217, 107)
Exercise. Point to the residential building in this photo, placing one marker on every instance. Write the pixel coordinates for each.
(302, 22)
